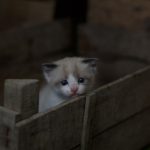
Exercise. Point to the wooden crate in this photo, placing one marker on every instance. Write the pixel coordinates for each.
(115, 116)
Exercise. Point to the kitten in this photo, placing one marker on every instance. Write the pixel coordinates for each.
(66, 78)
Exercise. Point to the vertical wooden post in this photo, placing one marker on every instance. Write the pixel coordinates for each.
(89, 110)
(21, 96)
(20, 102)
(8, 133)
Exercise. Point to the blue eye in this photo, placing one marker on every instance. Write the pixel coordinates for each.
(64, 82)
(81, 80)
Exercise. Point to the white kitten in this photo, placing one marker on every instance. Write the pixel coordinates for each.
(66, 78)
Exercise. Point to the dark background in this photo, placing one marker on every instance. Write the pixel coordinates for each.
(33, 32)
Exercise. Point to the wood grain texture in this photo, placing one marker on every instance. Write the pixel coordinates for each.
(59, 128)
(117, 101)
(8, 134)
(115, 116)
(22, 96)
(132, 134)
(88, 116)
(8, 116)
(121, 99)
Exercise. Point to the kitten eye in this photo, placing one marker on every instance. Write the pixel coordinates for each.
(64, 82)
(81, 80)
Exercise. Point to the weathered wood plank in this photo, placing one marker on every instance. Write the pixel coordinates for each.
(8, 138)
(59, 128)
(8, 116)
(22, 96)
(8, 134)
(121, 99)
(117, 101)
(88, 116)
(133, 134)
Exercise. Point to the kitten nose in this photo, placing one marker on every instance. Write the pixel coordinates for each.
(74, 89)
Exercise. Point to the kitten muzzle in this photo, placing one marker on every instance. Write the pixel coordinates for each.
(74, 90)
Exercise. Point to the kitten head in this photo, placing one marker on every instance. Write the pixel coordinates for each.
(71, 76)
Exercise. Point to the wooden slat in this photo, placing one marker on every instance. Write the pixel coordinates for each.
(117, 101)
(121, 99)
(8, 117)
(132, 134)
(8, 138)
(59, 128)
(88, 114)
(8, 134)
(22, 96)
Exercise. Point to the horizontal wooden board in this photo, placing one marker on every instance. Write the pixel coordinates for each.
(113, 103)
(59, 128)
(133, 134)
(119, 100)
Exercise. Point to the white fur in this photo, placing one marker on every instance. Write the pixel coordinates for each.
(67, 88)
(69, 69)
(49, 98)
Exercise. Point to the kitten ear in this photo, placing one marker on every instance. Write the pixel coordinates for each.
(47, 69)
(92, 62)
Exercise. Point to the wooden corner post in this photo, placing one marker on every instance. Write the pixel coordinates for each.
(20, 102)
(21, 95)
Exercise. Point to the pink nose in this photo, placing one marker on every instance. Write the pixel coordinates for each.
(74, 89)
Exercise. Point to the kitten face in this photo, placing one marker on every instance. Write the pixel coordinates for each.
(72, 76)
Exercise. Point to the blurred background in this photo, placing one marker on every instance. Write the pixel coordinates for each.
(36, 31)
